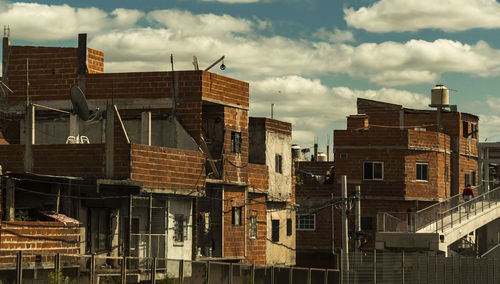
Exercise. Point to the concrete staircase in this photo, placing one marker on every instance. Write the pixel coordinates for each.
(438, 226)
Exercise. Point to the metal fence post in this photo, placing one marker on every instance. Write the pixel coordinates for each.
(92, 268)
(272, 274)
(207, 272)
(309, 275)
(57, 262)
(403, 267)
(153, 270)
(124, 270)
(341, 266)
(19, 267)
(252, 274)
(375, 266)
(230, 273)
(290, 275)
(181, 270)
(326, 276)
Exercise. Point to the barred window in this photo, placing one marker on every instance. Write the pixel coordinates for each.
(305, 222)
(253, 227)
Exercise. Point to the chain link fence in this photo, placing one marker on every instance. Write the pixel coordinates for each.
(415, 267)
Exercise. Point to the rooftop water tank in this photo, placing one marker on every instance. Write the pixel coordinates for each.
(440, 96)
(295, 152)
(322, 157)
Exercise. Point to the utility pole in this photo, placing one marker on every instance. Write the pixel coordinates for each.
(345, 228)
(358, 218)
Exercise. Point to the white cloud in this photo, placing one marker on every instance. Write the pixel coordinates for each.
(314, 108)
(489, 128)
(232, 1)
(39, 22)
(336, 36)
(404, 15)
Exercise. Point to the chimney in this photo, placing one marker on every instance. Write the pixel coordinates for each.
(5, 54)
(82, 54)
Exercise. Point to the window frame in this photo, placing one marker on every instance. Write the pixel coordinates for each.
(234, 210)
(289, 226)
(275, 230)
(298, 223)
(473, 130)
(278, 163)
(179, 235)
(473, 178)
(236, 142)
(465, 129)
(373, 170)
(426, 171)
(253, 231)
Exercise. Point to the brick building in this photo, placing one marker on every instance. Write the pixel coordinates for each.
(400, 161)
(160, 166)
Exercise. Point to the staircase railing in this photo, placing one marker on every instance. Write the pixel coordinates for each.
(438, 217)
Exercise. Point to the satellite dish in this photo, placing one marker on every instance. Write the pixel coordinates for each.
(79, 102)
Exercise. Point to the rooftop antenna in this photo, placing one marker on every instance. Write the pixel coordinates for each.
(222, 66)
(272, 111)
(27, 81)
(174, 91)
(195, 63)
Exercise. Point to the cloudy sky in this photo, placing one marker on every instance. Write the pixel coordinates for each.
(311, 58)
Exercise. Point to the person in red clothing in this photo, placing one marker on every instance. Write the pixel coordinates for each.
(467, 195)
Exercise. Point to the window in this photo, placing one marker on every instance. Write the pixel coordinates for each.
(288, 227)
(343, 155)
(99, 229)
(204, 222)
(373, 170)
(235, 142)
(465, 129)
(305, 222)
(236, 216)
(179, 228)
(366, 223)
(466, 179)
(253, 227)
(275, 231)
(278, 161)
(473, 178)
(422, 171)
(473, 130)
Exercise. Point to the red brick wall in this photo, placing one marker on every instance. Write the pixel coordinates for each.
(256, 248)
(167, 167)
(52, 71)
(53, 237)
(235, 164)
(357, 123)
(95, 61)
(382, 114)
(87, 160)
(372, 137)
(190, 116)
(234, 236)
(258, 176)
(224, 90)
(11, 158)
(121, 150)
(273, 125)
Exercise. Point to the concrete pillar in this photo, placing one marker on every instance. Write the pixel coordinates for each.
(115, 230)
(146, 128)
(5, 58)
(74, 125)
(29, 140)
(10, 200)
(110, 141)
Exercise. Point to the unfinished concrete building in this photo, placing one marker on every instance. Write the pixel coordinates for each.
(157, 167)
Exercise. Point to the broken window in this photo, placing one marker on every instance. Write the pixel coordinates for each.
(253, 227)
(236, 214)
(473, 178)
(278, 163)
(275, 231)
(305, 222)
(235, 142)
(373, 170)
(422, 171)
(465, 129)
(474, 130)
(179, 228)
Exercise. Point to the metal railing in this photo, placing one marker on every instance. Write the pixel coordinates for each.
(51, 268)
(414, 267)
(438, 217)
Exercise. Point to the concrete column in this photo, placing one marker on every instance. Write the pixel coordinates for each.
(146, 128)
(29, 140)
(5, 58)
(110, 141)
(345, 228)
(10, 200)
(358, 217)
(115, 230)
(74, 125)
